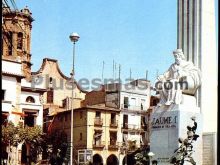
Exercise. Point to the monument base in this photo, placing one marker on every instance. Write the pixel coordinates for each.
(169, 123)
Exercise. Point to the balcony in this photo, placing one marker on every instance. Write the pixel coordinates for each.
(134, 107)
(98, 122)
(113, 123)
(131, 127)
(125, 126)
(98, 145)
(113, 145)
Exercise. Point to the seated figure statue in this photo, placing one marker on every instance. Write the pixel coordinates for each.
(171, 84)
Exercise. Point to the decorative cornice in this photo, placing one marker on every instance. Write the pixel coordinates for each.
(12, 74)
(29, 89)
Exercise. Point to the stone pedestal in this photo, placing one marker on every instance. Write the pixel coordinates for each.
(168, 123)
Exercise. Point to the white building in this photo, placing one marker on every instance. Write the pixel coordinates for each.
(19, 100)
(11, 91)
(133, 100)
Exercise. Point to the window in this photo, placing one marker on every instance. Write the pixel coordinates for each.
(30, 118)
(113, 138)
(97, 137)
(125, 102)
(125, 121)
(97, 114)
(113, 118)
(50, 96)
(51, 80)
(80, 136)
(143, 122)
(9, 42)
(143, 102)
(3, 94)
(20, 41)
(30, 99)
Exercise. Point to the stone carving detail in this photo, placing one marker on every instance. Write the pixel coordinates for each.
(182, 77)
(185, 151)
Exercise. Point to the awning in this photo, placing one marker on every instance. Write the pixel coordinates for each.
(18, 113)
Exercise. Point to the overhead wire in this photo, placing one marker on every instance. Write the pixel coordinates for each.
(16, 9)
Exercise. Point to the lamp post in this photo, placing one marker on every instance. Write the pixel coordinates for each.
(150, 154)
(74, 37)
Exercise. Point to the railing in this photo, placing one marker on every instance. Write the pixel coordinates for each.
(98, 144)
(113, 145)
(133, 107)
(98, 121)
(131, 127)
(113, 123)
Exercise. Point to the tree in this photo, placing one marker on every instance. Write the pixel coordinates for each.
(13, 135)
(56, 147)
(185, 151)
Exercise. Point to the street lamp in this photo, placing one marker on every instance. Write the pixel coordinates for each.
(74, 37)
(150, 154)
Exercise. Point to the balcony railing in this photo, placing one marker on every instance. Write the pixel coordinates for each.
(133, 107)
(98, 144)
(98, 121)
(113, 123)
(113, 145)
(131, 127)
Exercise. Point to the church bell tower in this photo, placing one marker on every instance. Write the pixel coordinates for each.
(16, 37)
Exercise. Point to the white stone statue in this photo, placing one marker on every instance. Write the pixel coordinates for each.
(181, 77)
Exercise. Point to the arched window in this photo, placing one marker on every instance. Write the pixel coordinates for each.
(30, 99)
(20, 40)
(9, 42)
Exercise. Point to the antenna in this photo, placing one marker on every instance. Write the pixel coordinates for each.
(130, 73)
(119, 72)
(146, 74)
(113, 69)
(103, 64)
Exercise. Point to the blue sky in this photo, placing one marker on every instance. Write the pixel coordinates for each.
(138, 34)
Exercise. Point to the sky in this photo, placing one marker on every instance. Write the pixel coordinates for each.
(140, 35)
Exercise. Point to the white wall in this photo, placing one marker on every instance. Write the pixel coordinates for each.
(9, 84)
(11, 67)
(37, 106)
(138, 98)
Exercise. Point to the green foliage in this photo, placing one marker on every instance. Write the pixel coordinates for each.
(30, 134)
(12, 134)
(8, 133)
